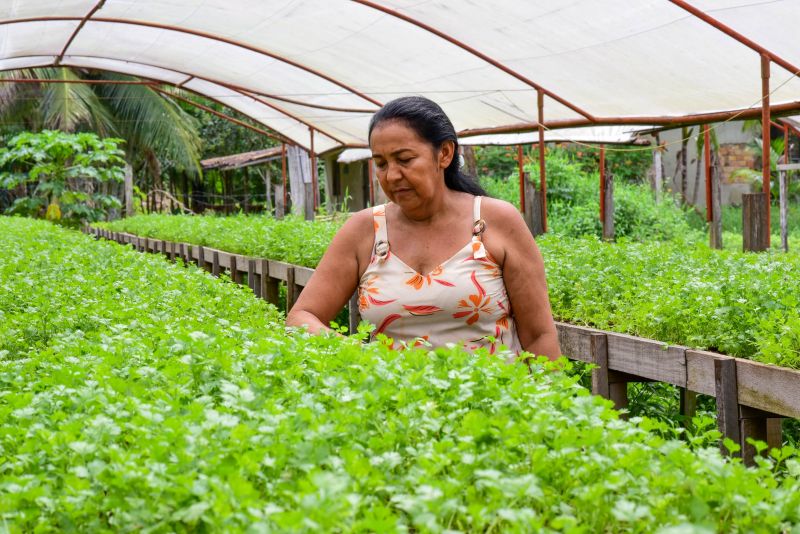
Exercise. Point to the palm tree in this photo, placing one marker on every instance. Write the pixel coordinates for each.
(157, 131)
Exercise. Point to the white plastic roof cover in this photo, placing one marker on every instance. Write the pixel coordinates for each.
(328, 64)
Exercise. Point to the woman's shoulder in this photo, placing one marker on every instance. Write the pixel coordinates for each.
(500, 212)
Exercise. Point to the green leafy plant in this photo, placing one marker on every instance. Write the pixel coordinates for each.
(139, 395)
(64, 171)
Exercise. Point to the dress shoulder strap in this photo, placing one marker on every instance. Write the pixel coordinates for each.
(478, 227)
(381, 247)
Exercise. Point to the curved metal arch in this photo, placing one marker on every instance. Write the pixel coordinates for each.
(154, 81)
(205, 35)
(241, 91)
(477, 53)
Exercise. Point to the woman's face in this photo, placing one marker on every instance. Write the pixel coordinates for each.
(410, 170)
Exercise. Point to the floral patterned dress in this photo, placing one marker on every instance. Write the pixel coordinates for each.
(462, 301)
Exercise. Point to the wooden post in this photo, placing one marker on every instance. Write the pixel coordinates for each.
(280, 198)
(658, 177)
(542, 165)
(688, 404)
(754, 222)
(715, 235)
(308, 188)
(726, 390)
(603, 187)
(215, 263)
(201, 257)
(251, 276)
(618, 392)
(270, 287)
(172, 251)
(765, 144)
(758, 425)
(291, 289)
(128, 190)
(234, 271)
(608, 211)
(598, 344)
(312, 156)
(371, 178)
(533, 207)
(354, 315)
(783, 180)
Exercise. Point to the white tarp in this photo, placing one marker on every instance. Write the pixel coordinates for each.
(328, 64)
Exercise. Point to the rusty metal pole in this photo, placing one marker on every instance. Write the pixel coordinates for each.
(521, 166)
(283, 174)
(765, 141)
(707, 154)
(313, 162)
(603, 184)
(542, 169)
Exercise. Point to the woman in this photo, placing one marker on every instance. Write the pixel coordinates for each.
(440, 263)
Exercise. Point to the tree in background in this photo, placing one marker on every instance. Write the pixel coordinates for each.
(60, 175)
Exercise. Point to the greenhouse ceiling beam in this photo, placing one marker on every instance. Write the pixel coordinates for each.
(242, 91)
(724, 28)
(83, 22)
(298, 119)
(665, 121)
(205, 35)
(476, 53)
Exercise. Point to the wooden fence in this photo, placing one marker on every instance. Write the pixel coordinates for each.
(751, 397)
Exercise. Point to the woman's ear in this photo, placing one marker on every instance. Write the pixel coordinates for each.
(446, 153)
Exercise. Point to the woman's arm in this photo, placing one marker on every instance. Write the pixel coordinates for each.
(336, 277)
(524, 277)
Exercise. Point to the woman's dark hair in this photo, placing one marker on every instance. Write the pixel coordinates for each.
(431, 123)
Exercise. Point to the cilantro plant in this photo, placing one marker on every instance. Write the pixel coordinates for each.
(140, 395)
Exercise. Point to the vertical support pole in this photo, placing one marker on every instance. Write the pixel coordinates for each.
(716, 208)
(754, 223)
(251, 276)
(291, 289)
(608, 209)
(215, 263)
(603, 186)
(784, 193)
(270, 287)
(283, 174)
(726, 390)
(542, 169)
(765, 141)
(598, 344)
(618, 392)
(201, 255)
(707, 158)
(688, 404)
(533, 207)
(521, 166)
(353, 314)
(313, 162)
(234, 270)
(172, 246)
(658, 176)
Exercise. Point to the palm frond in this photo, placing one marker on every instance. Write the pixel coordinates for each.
(67, 106)
(154, 122)
(18, 102)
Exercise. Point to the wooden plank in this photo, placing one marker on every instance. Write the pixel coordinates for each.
(575, 341)
(700, 370)
(647, 358)
(599, 353)
(727, 401)
(302, 275)
(172, 251)
(224, 260)
(279, 270)
(688, 403)
(769, 388)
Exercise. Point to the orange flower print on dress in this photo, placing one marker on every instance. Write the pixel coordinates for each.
(474, 304)
(366, 292)
(418, 281)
